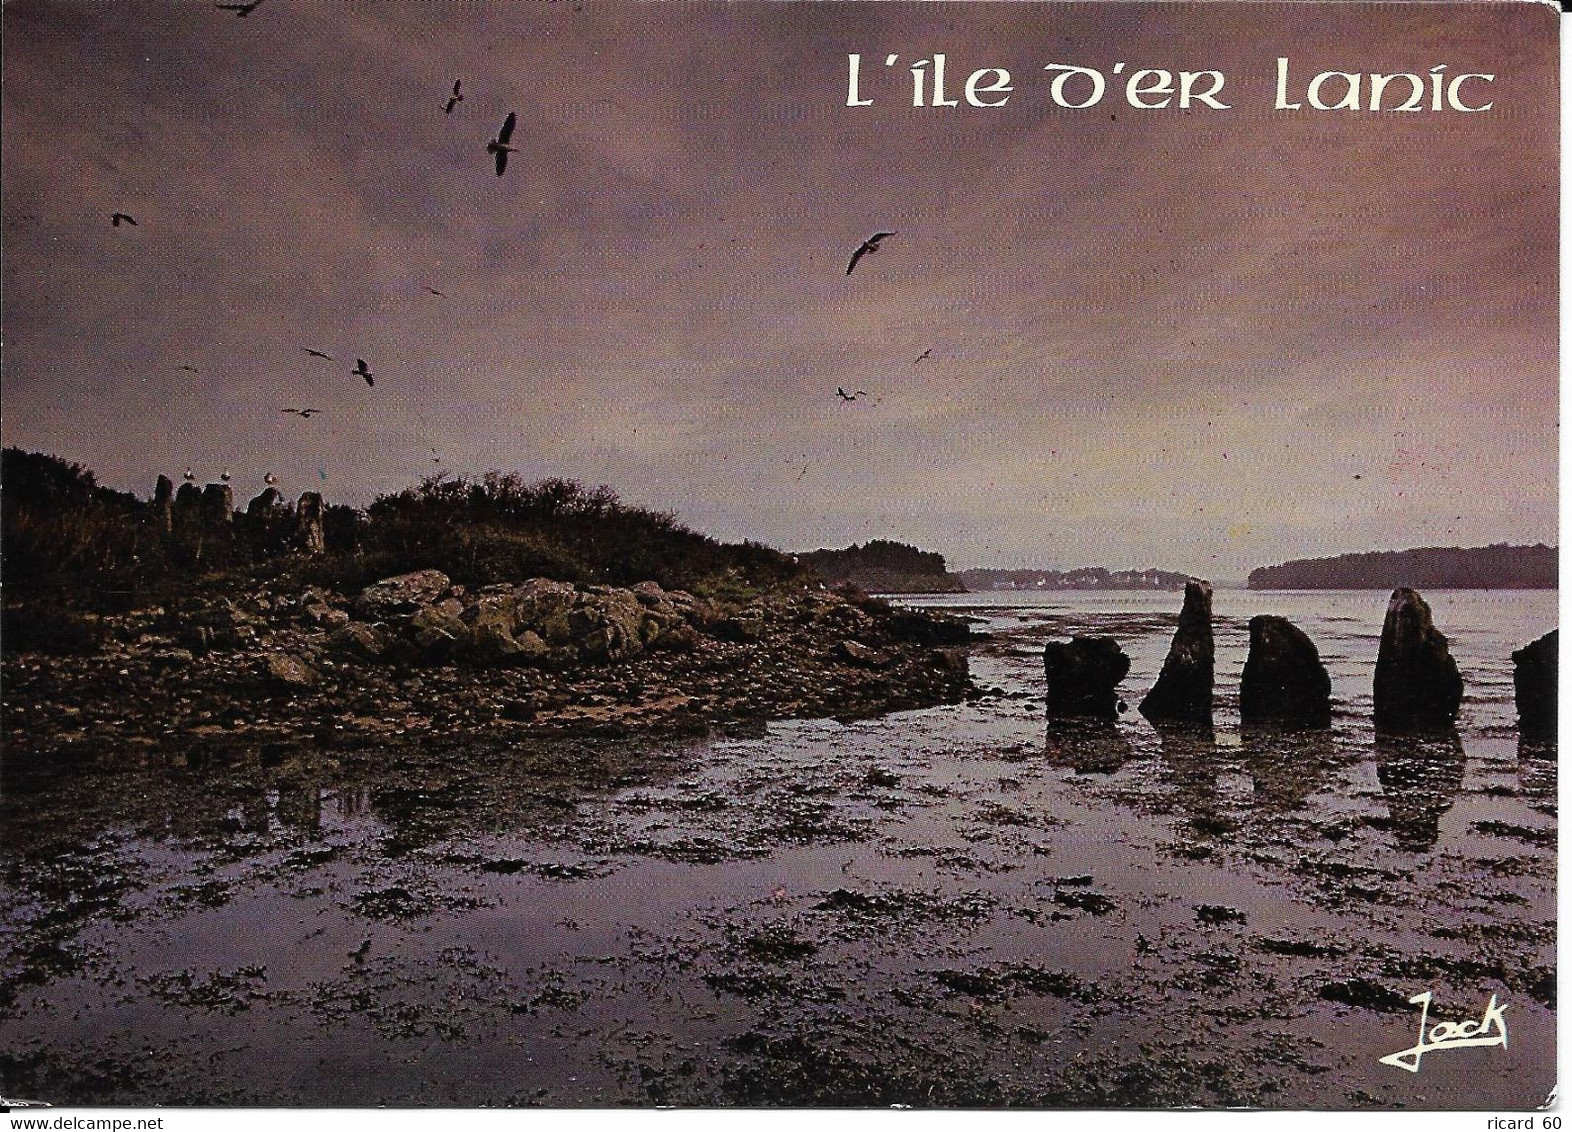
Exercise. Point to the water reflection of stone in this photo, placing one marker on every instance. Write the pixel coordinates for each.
(1288, 765)
(1191, 766)
(1420, 774)
(1089, 746)
(1536, 770)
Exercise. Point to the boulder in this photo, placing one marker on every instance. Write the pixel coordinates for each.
(363, 642)
(290, 671)
(1417, 686)
(1284, 680)
(856, 652)
(605, 624)
(1082, 675)
(402, 595)
(438, 632)
(1534, 673)
(743, 627)
(1183, 691)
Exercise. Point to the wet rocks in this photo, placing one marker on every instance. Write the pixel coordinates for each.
(1284, 681)
(1417, 685)
(1183, 691)
(290, 672)
(402, 595)
(1534, 671)
(856, 652)
(1082, 674)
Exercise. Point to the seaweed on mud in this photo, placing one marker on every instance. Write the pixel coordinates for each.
(1302, 948)
(989, 982)
(1367, 995)
(902, 906)
(1096, 903)
(222, 992)
(1543, 838)
(778, 944)
(1214, 914)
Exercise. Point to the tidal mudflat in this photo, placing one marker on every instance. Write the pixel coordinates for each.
(954, 906)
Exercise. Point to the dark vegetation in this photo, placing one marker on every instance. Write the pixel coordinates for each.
(1494, 567)
(884, 566)
(71, 545)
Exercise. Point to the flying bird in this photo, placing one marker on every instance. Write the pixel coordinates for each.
(434, 291)
(363, 370)
(241, 10)
(867, 247)
(928, 353)
(845, 396)
(499, 146)
(303, 414)
(317, 353)
(189, 368)
(455, 98)
(119, 218)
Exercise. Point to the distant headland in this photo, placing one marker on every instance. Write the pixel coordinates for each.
(1495, 567)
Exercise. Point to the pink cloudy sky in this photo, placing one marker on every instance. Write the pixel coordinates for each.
(1202, 341)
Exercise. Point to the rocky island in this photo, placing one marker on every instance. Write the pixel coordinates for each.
(180, 617)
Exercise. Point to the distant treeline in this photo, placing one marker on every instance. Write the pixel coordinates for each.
(881, 566)
(1494, 567)
(1090, 578)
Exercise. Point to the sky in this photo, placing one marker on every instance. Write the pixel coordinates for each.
(1192, 339)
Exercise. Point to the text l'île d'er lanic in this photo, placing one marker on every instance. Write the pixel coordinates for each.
(1436, 90)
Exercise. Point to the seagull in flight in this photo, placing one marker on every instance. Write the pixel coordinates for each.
(303, 414)
(499, 146)
(928, 353)
(845, 396)
(189, 368)
(867, 247)
(434, 291)
(363, 370)
(119, 218)
(455, 98)
(317, 353)
(241, 10)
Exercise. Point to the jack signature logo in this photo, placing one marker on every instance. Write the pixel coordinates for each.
(1490, 1030)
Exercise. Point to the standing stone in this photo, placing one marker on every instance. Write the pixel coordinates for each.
(309, 535)
(1183, 691)
(1417, 686)
(1534, 677)
(218, 504)
(188, 501)
(1284, 680)
(265, 504)
(1082, 673)
(164, 504)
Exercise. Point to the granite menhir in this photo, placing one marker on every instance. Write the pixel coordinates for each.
(1417, 686)
(1183, 692)
(1082, 674)
(1284, 681)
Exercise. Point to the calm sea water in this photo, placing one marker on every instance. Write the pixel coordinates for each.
(956, 906)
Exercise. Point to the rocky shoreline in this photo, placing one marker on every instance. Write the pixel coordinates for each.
(417, 654)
